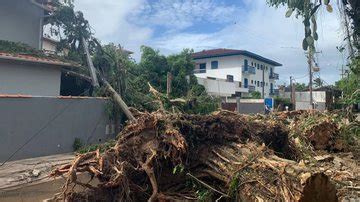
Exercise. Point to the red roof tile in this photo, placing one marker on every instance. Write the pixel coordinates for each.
(35, 59)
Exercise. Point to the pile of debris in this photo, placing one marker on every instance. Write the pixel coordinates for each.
(223, 156)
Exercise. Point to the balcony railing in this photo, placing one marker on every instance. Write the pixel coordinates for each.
(274, 92)
(248, 69)
(251, 89)
(274, 76)
(199, 71)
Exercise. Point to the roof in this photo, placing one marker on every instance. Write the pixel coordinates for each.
(221, 52)
(36, 59)
(47, 5)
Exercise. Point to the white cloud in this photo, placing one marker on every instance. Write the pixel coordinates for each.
(109, 20)
(181, 14)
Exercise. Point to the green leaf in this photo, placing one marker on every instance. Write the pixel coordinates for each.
(329, 8)
(310, 40)
(316, 36)
(289, 12)
(305, 44)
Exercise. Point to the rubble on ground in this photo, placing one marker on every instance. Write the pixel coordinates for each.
(225, 156)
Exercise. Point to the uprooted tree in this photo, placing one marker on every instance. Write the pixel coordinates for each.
(166, 156)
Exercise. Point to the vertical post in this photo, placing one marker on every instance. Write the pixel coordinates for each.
(238, 104)
(310, 78)
(168, 83)
(95, 81)
(293, 96)
(263, 82)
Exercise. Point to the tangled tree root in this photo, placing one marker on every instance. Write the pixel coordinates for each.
(225, 156)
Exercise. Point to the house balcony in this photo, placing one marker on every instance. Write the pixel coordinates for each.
(274, 76)
(199, 71)
(248, 69)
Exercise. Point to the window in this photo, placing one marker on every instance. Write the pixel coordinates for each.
(266, 68)
(258, 84)
(245, 82)
(240, 84)
(214, 64)
(252, 64)
(258, 66)
(229, 78)
(267, 84)
(246, 65)
(202, 68)
(262, 67)
(252, 81)
(211, 78)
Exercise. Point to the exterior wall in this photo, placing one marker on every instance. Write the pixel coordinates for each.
(20, 21)
(258, 76)
(318, 96)
(303, 100)
(22, 118)
(34, 79)
(321, 106)
(229, 65)
(233, 65)
(48, 46)
(247, 106)
(220, 87)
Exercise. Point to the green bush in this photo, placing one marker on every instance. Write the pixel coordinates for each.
(77, 144)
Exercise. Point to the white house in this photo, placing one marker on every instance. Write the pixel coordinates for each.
(235, 73)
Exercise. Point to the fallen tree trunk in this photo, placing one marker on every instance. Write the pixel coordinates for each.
(174, 156)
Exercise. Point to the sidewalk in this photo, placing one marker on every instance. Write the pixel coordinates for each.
(27, 180)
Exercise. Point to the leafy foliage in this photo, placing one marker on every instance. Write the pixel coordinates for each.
(154, 68)
(300, 87)
(71, 27)
(350, 86)
(307, 9)
(318, 82)
(256, 95)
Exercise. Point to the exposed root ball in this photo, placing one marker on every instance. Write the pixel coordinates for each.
(184, 157)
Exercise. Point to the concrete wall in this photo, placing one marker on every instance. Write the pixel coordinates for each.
(247, 106)
(303, 100)
(29, 79)
(220, 87)
(318, 96)
(21, 118)
(20, 21)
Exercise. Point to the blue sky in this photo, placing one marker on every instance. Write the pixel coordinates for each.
(172, 25)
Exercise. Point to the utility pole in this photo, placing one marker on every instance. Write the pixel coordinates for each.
(310, 78)
(292, 94)
(95, 81)
(263, 82)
